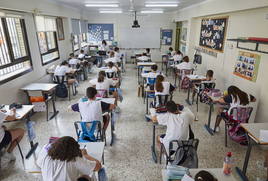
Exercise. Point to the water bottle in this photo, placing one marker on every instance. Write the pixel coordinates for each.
(227, 164)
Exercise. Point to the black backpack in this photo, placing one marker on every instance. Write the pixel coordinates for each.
(61, 90)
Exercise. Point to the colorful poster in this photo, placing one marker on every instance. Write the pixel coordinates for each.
(247, 65)
(99, 32)
(166, 37)
(212, 34)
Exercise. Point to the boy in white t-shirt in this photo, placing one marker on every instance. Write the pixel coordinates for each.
(177, 123)
(73, 61)
(178, 57)
(91, 109)
(12, 136)
(82, 55)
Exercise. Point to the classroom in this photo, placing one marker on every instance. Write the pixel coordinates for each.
(137, 90)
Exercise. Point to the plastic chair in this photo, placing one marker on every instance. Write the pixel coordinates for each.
(110, 75)
(102, 93)
(88, 131)
(174, 152)
(181, 74)
(204, 85)
(237, 116)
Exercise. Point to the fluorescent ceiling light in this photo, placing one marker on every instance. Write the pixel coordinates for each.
(161, 5)
(111, 11)
(151, 11)
(102, 5)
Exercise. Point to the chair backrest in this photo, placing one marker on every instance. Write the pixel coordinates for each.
(110, 75)
(102, 93)
(208, 85)
(186, 153)
(59, 79)
(186, 71)
(161, 100)
(240, 113)
(85, 131)
(151, 81)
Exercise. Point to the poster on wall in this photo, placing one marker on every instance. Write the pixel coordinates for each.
(166, 37)
(247, 65)
(99, 32)
(212, 34)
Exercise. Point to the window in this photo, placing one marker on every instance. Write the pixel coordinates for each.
(47, 38)
(75, 42)
(83, 30)
(15, 59)
(76, 29)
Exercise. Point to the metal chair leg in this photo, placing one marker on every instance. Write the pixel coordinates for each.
(226, 135)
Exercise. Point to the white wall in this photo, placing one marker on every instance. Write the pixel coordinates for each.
(246, 23)
(146, 21)
(10, 91)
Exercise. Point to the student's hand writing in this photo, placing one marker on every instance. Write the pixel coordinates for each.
(84, 152)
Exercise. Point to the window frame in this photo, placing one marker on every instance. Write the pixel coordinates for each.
(56, 49)
(78, 43)
(11, 53)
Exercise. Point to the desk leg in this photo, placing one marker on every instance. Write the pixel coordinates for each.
(153, 146)
(32, 144)
(207, 126)
(147, 102)
(112, 129)
(245, 166)
(188, 94)
(55, 112)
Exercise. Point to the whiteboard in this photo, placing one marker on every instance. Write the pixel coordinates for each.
(139, 38)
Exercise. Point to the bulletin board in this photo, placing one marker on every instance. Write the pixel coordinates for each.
(166, 37)
(99, 32)
(212, 34)
(247, 65)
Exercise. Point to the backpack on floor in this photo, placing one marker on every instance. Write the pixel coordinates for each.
(185, 83)
(61, 91)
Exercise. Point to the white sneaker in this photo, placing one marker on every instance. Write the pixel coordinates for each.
(217, 129)
(9, 157)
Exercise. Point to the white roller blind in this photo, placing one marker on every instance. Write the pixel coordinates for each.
(45, 23)
(84, 25)
(76, 26)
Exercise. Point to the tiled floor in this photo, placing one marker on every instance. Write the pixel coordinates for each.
(130, 157)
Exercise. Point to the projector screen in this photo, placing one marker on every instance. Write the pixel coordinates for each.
(139, 37)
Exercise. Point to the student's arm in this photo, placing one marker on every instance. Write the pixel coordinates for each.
(11, 117)
(90, 158)
(225, 100)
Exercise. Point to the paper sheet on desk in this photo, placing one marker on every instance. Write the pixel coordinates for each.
(187, 178)
(264, 135)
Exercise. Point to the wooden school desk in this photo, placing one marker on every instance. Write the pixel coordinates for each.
(216, 172)
(192, 79)
(24, 114)
(45, 89)
(253, 136)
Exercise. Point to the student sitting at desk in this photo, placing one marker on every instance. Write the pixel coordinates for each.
(91, 109)
(111, 58)
(171, 52)
(144, 58)
(178, 57)
(104, 46)
(185, 64)
(153, 73)
(112, 68)
(12, 136)
(163, 87)
(207, 83)
(73, 61)
(64, 160)
(117, 54)
(63, 69)
(177, 123)
(234, 98)
(82, 55)
(103, 83)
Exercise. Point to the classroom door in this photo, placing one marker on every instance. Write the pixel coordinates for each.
(178, 34)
